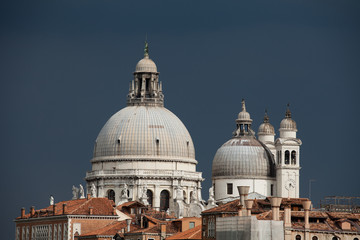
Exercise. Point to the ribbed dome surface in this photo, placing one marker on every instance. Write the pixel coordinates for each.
(243, 157)
(266, 129)
(144, 132)
(288, 124)
(146, 65)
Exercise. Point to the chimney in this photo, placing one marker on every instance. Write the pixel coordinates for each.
(128, 222)
(64, 208)
(163, 230)
(54, 209)
(23, 212)
(306, 205)
(249, 203)
(243, 192)
(88, 196)
(287, 215)
(32, 211)
(91, 210)
(275, 206)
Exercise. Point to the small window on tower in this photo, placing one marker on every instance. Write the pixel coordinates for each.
(272, 189)
(229, 188)
(287, 157)
(293, 157)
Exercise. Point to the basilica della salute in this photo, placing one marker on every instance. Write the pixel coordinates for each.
(143, 183)
(144, 152)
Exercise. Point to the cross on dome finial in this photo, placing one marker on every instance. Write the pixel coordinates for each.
(288, 112)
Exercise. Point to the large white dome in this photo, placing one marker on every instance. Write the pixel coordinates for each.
(144, 133)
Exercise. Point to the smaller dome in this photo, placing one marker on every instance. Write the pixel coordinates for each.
(266, 128)
(288, 123)
(244, 116)
(146, 65)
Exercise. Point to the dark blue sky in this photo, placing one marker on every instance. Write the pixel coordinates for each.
(65, 68)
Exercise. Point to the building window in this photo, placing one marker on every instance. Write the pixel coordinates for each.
(191, 225)
(287, 157)
(59, 232)
(184, 196)
(65, 231)
(293, 157)
(211, 227)
(149, 195)
(55, 231)
(229, 188)
(18, 233)
(298, 237)
(272, 189)
(111, 195)
(41, 232)
(164, 200)
(334, 238)
(204, 221)
(314, 238)
(28, 233)
(23, 233)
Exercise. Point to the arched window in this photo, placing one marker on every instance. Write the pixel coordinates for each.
(164, 200)
(356, 239)
(111, 195)
(315, 238)
(334, 238)
(149, 195)
(287, 157)
(184, 196)
(298, 237)
(293, 157)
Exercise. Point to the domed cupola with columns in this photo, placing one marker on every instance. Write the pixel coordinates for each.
(144, 152)
(243, 161)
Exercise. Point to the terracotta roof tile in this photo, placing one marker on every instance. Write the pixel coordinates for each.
(101, 206)
(110, 229)
(194, 233)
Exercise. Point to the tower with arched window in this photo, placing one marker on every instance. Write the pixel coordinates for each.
(287, 158)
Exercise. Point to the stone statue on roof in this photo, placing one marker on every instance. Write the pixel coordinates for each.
(92, 190)
(81, 191)
(75, 192)
(52, 200)
(124, 191)
(211, 192)
(193, 197)
(144, 197)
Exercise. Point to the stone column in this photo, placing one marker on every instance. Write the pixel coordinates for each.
(156, 197)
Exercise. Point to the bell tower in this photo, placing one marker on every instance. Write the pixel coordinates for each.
(288, 158)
